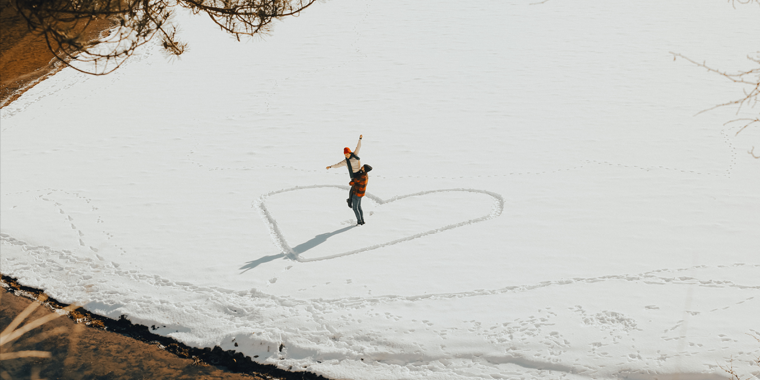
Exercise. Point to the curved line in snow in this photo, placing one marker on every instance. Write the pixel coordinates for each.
(281, 242)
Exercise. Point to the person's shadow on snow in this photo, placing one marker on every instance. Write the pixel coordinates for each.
(299, 249)
(317, 240)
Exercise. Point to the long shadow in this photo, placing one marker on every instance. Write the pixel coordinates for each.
(253, 264)
(299, 249)
(317, 240)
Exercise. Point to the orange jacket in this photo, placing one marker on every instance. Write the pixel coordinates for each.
(359, 184)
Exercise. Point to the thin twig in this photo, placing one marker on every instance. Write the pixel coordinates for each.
(25, 354)
(20, 318)
(11, 336)
(751, 121)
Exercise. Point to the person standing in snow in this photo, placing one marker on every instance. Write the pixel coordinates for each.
(358, 188)
(352, 160)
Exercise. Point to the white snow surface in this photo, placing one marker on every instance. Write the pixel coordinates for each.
(545, 203)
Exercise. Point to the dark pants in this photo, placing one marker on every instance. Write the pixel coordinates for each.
(356, 204)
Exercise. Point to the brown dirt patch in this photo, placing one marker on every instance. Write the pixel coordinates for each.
(25, 59)
(24, 56)
(91, 346)
(79, 352)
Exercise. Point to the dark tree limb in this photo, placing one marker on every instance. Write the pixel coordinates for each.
(98, 36)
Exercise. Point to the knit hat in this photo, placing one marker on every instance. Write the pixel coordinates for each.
(367, 168)
(346, 151)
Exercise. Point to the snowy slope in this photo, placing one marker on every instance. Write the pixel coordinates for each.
(544, 202)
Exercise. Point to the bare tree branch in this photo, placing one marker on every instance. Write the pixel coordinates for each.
(743, 2)
(750, 80)
(749, 77)
(72, 28)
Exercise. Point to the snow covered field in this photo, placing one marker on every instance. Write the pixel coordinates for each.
(544, 202)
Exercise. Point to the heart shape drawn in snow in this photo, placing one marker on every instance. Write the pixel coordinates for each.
(287, 250)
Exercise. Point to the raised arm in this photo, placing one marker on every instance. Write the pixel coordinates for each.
(358, 146)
